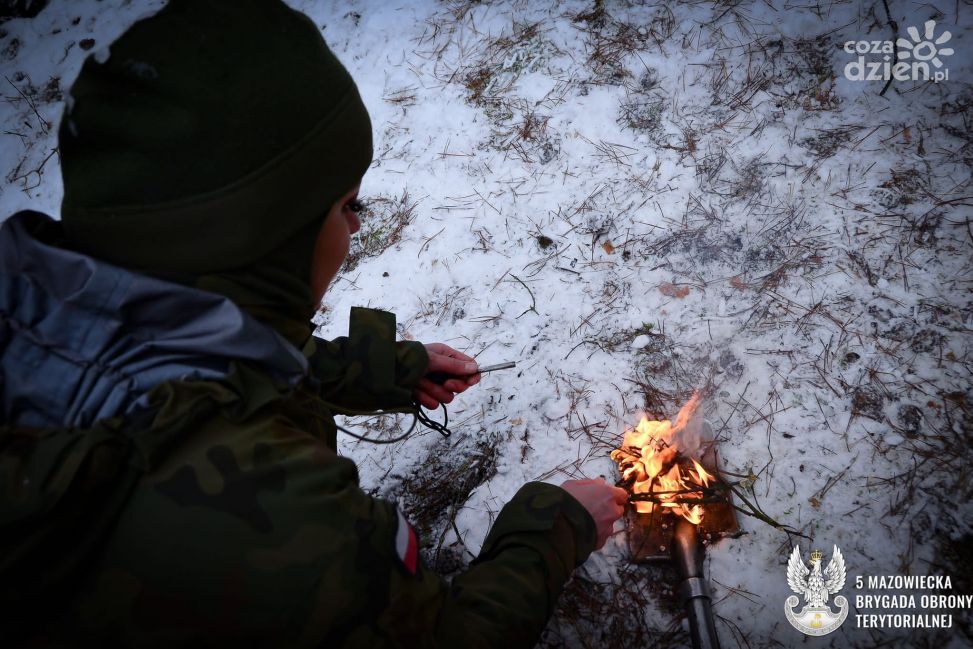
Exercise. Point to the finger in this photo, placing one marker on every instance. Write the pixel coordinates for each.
(620, 495)
(446, 350)
(463, 384)
(454, 366)
(436, 391)
(426, 400)
(455, 385)
(455, 353)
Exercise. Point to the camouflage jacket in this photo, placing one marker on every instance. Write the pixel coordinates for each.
(173, 481)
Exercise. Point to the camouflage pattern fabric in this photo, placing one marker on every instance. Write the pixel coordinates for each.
(368, 370)
(223, 516)
(258, 534)
(61, 489)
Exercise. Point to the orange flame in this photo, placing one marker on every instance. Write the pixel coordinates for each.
(647, 451)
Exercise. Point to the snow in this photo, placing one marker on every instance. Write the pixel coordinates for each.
(641, 342)
(801, 246)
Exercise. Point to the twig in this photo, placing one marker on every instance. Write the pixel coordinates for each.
(533, 302)
(45, 125)
(895, 38)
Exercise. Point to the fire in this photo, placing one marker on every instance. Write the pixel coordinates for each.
(649, 460)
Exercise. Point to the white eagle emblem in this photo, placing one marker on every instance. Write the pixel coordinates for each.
(816, 618)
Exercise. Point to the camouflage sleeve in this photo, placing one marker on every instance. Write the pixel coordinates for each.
(508, 593)
(251, 532)
(367, 370)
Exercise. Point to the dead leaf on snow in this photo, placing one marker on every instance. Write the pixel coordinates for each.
(737, 282)
(671, 290)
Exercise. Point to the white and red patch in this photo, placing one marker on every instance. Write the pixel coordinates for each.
(406, 544)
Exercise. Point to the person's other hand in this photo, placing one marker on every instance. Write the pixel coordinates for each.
(446, 360)
(604, 502)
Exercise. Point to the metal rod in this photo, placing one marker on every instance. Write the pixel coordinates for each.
(498, 366)
(693, 590)
(442, 377)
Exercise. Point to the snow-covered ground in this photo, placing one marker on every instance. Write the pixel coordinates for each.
(636, 202)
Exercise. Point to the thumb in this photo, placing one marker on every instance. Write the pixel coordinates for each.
(454, 366)
(620, 495)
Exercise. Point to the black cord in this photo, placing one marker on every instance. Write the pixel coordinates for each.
(417, 417)
(431, 424)
(372, 440)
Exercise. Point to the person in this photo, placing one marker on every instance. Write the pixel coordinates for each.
(168, 464)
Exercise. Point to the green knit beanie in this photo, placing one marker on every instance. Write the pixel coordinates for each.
(217, 134)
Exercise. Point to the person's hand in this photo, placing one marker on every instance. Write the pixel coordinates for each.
(443, 359)
(604, 502)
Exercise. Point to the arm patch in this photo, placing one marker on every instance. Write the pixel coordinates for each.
(406, 544)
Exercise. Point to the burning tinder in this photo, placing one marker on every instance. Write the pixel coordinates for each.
(656, 467)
